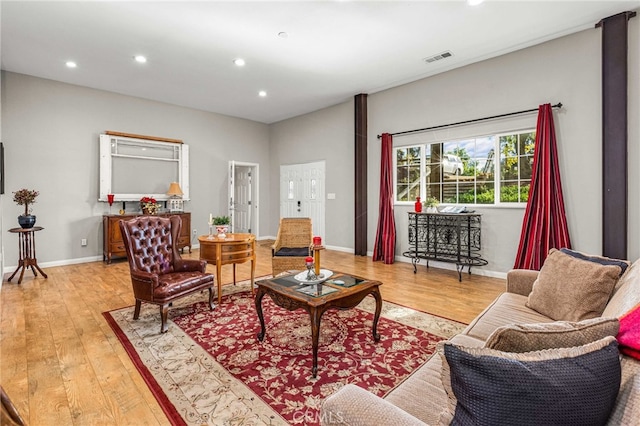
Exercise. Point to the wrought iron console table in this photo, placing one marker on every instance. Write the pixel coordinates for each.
(445, 237)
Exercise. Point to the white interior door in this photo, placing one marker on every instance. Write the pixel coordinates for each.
(302, 193)
(243, 195)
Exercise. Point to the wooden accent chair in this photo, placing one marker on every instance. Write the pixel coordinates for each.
(292, 245)
(158, 274)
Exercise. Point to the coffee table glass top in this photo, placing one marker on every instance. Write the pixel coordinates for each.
(336, 283)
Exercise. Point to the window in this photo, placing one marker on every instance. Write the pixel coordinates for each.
(467, 171)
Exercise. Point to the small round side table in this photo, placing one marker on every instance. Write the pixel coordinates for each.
(27, 250)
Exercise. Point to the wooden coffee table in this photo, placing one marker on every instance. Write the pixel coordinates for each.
(285, 292)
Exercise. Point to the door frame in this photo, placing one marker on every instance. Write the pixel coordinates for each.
(255, 191)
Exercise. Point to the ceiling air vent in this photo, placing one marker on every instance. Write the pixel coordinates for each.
(438, 57)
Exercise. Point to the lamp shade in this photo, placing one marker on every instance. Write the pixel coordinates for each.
(174, 189)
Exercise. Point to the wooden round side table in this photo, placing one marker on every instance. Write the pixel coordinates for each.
(27, 250)
(233, 249)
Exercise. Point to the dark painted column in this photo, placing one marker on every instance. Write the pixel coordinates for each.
(360, 179)
(614, 135)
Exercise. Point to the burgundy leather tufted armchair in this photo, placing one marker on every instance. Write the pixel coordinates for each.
(158, 274)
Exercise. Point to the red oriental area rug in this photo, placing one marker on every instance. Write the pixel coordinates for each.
(210, 367)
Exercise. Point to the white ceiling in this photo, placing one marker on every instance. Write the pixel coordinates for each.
(335, 49)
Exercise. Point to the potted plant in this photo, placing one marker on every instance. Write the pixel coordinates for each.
(431, 203)
(221, 223)
(25, 197)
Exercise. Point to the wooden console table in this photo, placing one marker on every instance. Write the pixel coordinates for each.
(233, 249)
(112, 238)
(27, 249)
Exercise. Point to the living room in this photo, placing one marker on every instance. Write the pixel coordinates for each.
(50, 132)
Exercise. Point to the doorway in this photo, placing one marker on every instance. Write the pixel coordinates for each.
(243, 197)
(302, 193)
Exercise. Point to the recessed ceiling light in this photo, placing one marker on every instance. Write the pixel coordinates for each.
(141, 59)
(283, 34)
(71, 64)
(262, 94)
(239, 62)
(474, 2)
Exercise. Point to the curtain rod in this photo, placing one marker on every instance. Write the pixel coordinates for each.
(558, 105)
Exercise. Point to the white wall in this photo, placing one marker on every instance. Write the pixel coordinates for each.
(566, 70)
(50, 132)
(327, 135)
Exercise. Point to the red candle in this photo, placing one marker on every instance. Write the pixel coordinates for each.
(317, 241)
(309, 259)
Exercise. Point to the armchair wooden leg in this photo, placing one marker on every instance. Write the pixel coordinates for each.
(164, 313)
(136, 311)
(10, 409)
(211, 298)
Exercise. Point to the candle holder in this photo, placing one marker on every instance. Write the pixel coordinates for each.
(110, 198)
(311, 274)
(210, 237)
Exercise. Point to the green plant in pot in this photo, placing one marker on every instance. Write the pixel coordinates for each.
(221, 223)
(431, 204)
(25, 197)
(221, 220)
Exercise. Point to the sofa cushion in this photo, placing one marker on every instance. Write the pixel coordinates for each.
(626, 411)
(572, 289)
(508, 308)
(292, 251)
(626, 294)
(575, 385)
(421, 394)
(559, 334)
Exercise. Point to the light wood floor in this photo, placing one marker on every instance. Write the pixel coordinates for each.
(62, 365)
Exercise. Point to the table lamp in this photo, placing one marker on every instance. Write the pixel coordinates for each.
(176, 203)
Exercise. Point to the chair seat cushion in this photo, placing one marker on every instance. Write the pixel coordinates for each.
(293, 251)
(175, 284)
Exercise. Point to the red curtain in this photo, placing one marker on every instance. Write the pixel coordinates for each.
(545, 224)
(385, 245)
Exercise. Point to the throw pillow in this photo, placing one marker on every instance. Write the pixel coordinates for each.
(629, 336)
(564, 386)
(559, 334)
(572, 289)
(623, 264)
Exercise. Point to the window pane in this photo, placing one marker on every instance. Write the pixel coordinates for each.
(449, 193)
(407, 173)
(485, 193)
(524, 191)
(526, 167)
(508, 146)
(509, 168)
(434, 191)
(313, 189)
(509, 192)
(290, 192)
(527, 142)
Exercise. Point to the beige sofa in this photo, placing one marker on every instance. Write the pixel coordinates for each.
(421, 398)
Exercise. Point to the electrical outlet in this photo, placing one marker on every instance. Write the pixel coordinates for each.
(195, 232)
(83, 242)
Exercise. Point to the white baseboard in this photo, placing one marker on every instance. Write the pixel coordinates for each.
(432, 263)
(476, 270)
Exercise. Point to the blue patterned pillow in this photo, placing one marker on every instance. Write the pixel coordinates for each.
(566, 386)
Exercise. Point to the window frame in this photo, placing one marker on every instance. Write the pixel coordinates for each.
(497, 172)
